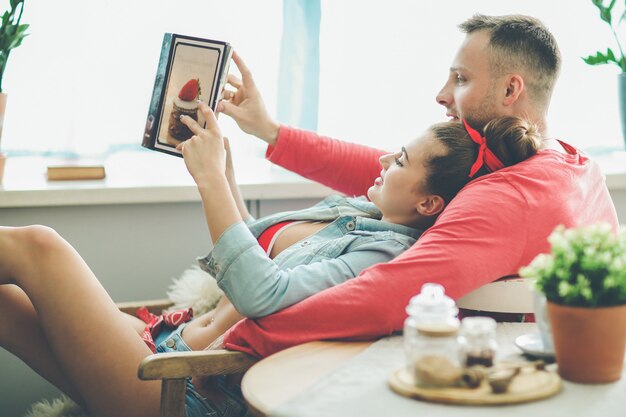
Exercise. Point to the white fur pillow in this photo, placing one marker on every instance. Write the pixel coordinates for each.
(59, 407)
(196, 289)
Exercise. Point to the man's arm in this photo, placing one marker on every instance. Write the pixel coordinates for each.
(346, 167)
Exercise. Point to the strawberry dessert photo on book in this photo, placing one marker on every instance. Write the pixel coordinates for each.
(186, 104)
(190, 69)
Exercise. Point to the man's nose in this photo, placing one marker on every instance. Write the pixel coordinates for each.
(444, 97)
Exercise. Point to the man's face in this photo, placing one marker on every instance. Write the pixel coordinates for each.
(471, 91)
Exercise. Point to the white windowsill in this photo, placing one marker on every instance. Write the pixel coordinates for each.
(614, 167)
(143, 177)
(152, 177)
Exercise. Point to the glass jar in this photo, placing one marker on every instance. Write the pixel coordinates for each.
(430, 337)
(478, 341)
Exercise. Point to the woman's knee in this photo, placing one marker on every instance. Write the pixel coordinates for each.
(29, 244)
(38, 238)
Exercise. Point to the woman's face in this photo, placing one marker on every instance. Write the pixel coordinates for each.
(400, 192)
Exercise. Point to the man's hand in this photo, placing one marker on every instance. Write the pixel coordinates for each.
(245, 105)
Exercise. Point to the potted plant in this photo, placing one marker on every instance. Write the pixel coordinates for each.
(11, 35)
(584, 280)
(608, 14)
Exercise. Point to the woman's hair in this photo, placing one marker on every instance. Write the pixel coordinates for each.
(511, 139)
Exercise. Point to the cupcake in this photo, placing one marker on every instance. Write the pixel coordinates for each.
(185, 104)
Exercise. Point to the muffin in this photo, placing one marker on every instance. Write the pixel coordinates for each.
(184, 104)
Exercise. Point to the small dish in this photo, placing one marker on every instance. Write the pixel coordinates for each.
(532, 345)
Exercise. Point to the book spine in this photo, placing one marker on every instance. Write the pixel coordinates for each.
(63, 173)
(152, 122)
(225, 64)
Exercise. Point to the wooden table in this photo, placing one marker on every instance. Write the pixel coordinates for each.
(279, 377)
(272, 383)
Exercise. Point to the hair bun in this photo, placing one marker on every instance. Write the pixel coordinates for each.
(512, 138)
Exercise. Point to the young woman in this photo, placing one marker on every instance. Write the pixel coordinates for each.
(61, 322)
(338, 238)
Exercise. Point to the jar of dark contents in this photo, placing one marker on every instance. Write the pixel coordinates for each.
(430, 338)
(478, 341)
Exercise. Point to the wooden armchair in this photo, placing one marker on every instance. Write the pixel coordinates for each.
(173, 368)
(506, 295)
(511, 294)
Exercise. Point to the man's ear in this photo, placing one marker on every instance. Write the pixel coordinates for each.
(514, 86)
(430, 205)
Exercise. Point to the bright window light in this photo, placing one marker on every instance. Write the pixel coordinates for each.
(381, 68)
(82, 80)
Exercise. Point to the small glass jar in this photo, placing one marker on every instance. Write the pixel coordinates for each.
(430, 337)
(478, 341)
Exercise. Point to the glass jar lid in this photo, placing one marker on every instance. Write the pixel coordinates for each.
(478, 326)
(434, 312)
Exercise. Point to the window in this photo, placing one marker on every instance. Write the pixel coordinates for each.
(81, 82)
(382, 64)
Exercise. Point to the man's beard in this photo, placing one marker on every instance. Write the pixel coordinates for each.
(484, 112)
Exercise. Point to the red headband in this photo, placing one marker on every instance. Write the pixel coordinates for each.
(485, 156)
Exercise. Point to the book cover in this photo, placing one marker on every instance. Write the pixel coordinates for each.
(189, 69)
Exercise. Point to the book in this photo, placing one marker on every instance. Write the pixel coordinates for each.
(75, 170)
(189, 69)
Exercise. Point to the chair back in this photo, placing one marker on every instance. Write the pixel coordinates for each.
(506, 295)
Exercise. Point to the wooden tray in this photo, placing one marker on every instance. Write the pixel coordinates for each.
(525, 387)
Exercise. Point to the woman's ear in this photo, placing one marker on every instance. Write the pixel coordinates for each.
(514, 87)
(430, 205)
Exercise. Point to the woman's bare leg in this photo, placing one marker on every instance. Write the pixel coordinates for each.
(95, 346)
(22, 335)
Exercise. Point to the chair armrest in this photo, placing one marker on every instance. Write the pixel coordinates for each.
(184, 364)
(153, 306)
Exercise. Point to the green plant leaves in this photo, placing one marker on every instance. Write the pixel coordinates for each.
(599, 58)
(605, 12)
(12, 33)
(606, 15)
(586, 267)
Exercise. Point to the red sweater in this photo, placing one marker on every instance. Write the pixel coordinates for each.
(495, 225)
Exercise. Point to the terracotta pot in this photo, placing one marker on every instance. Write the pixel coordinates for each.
(3, 158)
(589, 343)
(621, 94)
(3, 106)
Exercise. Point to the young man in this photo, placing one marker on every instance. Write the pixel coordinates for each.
(507, 65)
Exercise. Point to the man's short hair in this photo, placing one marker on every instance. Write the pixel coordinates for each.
(521, 44)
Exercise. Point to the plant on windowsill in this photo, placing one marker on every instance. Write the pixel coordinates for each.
(11, 35)
(609, 14)
(584, 280)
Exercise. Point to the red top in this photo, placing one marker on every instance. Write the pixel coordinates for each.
(497, 224)
(265, 239)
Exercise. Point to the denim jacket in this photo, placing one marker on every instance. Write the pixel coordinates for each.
(355, 239)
